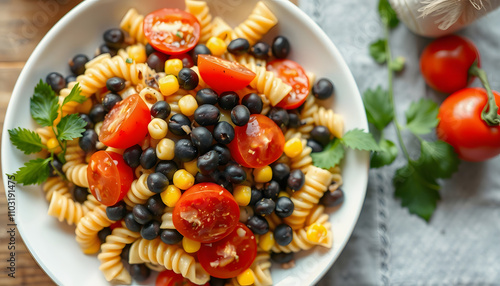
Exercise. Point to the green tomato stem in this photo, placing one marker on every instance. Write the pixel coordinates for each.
(490, 110)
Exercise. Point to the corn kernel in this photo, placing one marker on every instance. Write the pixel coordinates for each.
(168, 85)
(173, 66)
(137, 53)
(183, 179)
(191, 167)
(317, 233)
(262, 175)
(217, 46)
(242, 194)
(266, 241)
(187, 105)
(246, 277)
(53, 145)
(283, 194)
(165, 149)
(158, 128)
(293, 147)
(189, 245)
(170, 196)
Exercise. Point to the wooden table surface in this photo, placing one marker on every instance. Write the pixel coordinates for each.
(23, 23)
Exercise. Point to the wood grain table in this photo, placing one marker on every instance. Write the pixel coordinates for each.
(23, 23)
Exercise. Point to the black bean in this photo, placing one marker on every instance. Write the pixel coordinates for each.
(315, 146)
(167, 168)
(258, 224)
(97, 113)
(279, 116)
(293, 119)
(149, 49)
(170, 236)
(281, 172)
(321, 134)
(207, 96)
(228, 100)
(109, 101)
(139, 272)
(224, 153)
(77, 64)
(206, 115)
(179, 124)
(264, 206)
(80, 194)
(70, 78)
(115, 84)
(296, 180)
(271, 190)
(202, 139)
(148, 158)
(156, 61)
(200, 49)
(185, 151)
(280, 47)
(55, 167)
(282, 257)
(235, 174)
(132, 156)
(130, 222)
(87, 119)
(260, 50)
(323, 88)
(114, 38)
(88, 140)
(117, 211)
(240, 115)
(141, 214)
(157, 182)
(161, 109)
(214, 281)
(238, 46)
(223, 132)
(284, 207)
(208, 162)
(103, 49)
(253, 102)
(125, 252)
(256, 195)
(188, 79)
(220, 178)
(332, 199)
(150, 230)
(283, 234)
(56, 81)
(103, 233)
(200, 178)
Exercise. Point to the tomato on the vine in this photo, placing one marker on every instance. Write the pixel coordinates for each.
(223, 75)
(172, 31)
(109, 177)
(461, 126)
(294, 75)
(445, 63)
(230, 256)
(206, 212)
(170, 278)
(257, 144)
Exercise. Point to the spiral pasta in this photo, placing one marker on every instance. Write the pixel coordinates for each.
(260, 268)
(260, 21)
(268, 83)
(221, 29)
(65, 208)
(132, 23)
(166, 219)
(201, 11)
(88, 227)
(139, 192)
(76, 173)
(54, 185)
(302, 161)
(333, 121)
(307, 115)
(172, 257)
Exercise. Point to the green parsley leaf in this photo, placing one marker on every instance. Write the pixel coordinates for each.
(74, 95)
(387, 14)
(387, 154)
(70, 127)
(377, 51)
(397, 64)
(34, 172)
(330, 156)
(379, 111)
(129, 61)
(438, 159)
(421, 117)
(44, 104)
(417, 192)
(358, 139)
(26, 140)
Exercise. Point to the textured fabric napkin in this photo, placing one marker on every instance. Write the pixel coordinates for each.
(461, 243)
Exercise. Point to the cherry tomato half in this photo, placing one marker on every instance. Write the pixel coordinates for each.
(170, 278)
(257, 144)
(230, 256)
(294, 75)
(172, 31)
(461, 126)
(206, 212)
(445, 63)
(126, 124)
(109, 177)
(223, 75)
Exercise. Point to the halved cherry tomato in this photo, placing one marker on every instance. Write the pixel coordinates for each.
(170, 278)
(294, 75)
(230, 256)
(223, 75)
(172, 31)
(461, 126)
(116, 224)
(445, 63)
(206, 212)
(126, 124)
(109, 177)
(257, 144)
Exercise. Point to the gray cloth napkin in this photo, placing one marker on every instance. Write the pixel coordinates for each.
(461, 243)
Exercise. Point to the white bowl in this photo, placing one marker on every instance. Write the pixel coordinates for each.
(53, 244)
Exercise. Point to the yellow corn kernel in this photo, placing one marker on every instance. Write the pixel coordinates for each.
(187, 105)
(262, 175)
(242, 194)
(168, 85)
(165, 149)
(283, 194)
(266, 241)
(170, 196)
(137, 53)
(53, 145)
(189, 245)
(191, 167)
(293, 147)
(158, 128)
(246, 277)
(173, 66)
(183, 179)
(317, 233)
(217, 46)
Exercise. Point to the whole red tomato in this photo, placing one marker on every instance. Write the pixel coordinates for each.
(445, 63)
(461, 125)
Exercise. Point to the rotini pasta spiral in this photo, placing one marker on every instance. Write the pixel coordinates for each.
(76, 173)
(307, 115)
(55, 185)
(166, 219)
(88, 227)
(132, 23)
(172, 257)
(268, 83)
(222, 30)
(65, 208)
(139, 192)
(201, 11)
(333, 121)
(302, 161)
(260, 268)
(260, 21)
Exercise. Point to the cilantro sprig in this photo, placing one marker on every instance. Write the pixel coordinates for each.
(416, 183)
(45, 109)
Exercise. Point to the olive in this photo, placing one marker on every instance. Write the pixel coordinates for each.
(188, 79)
(130, 222)
(282, 257)
(296, 180)
(179, 124)
(161, 109)
(208, 162)
(114, 38)
(224, 153)
(323, 89)
(207, 96)
(87, 119)
(148, 158)
(109, 101)
(103, 233)
(223, 132)
(202, 139)
(206, 115)
(77, 64)
(280, 47)
(315, 146)
(240, 115)
(55, 167)
(132, 156)
(253, 102)
(167, 168)
(271, 190)
(97, 113)
(256, 195)
(156, 61)
(332, 199)
(260, 50)
(80, 194)
(264, 206)
(88, 140)
(200, 49)
(185, 151)
(258, 224)
(141, 214)
(235, 174)
(150, 230)
(283, 234)
(238, 46)
(279, 116)
(157, 182)
(117, 211)
(284, 207)
(115, 84)
(228, 100)
(56, 81)
(139, 272)
(321, 134)
(170, 236)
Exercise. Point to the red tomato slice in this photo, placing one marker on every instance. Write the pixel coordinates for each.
(294, 75)
(116, 224)
(126, 124)
(109, 177)
(230, 256)
(206, 213)
(257, 144)
(224, 75)
(172, 31)
(170, 278)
